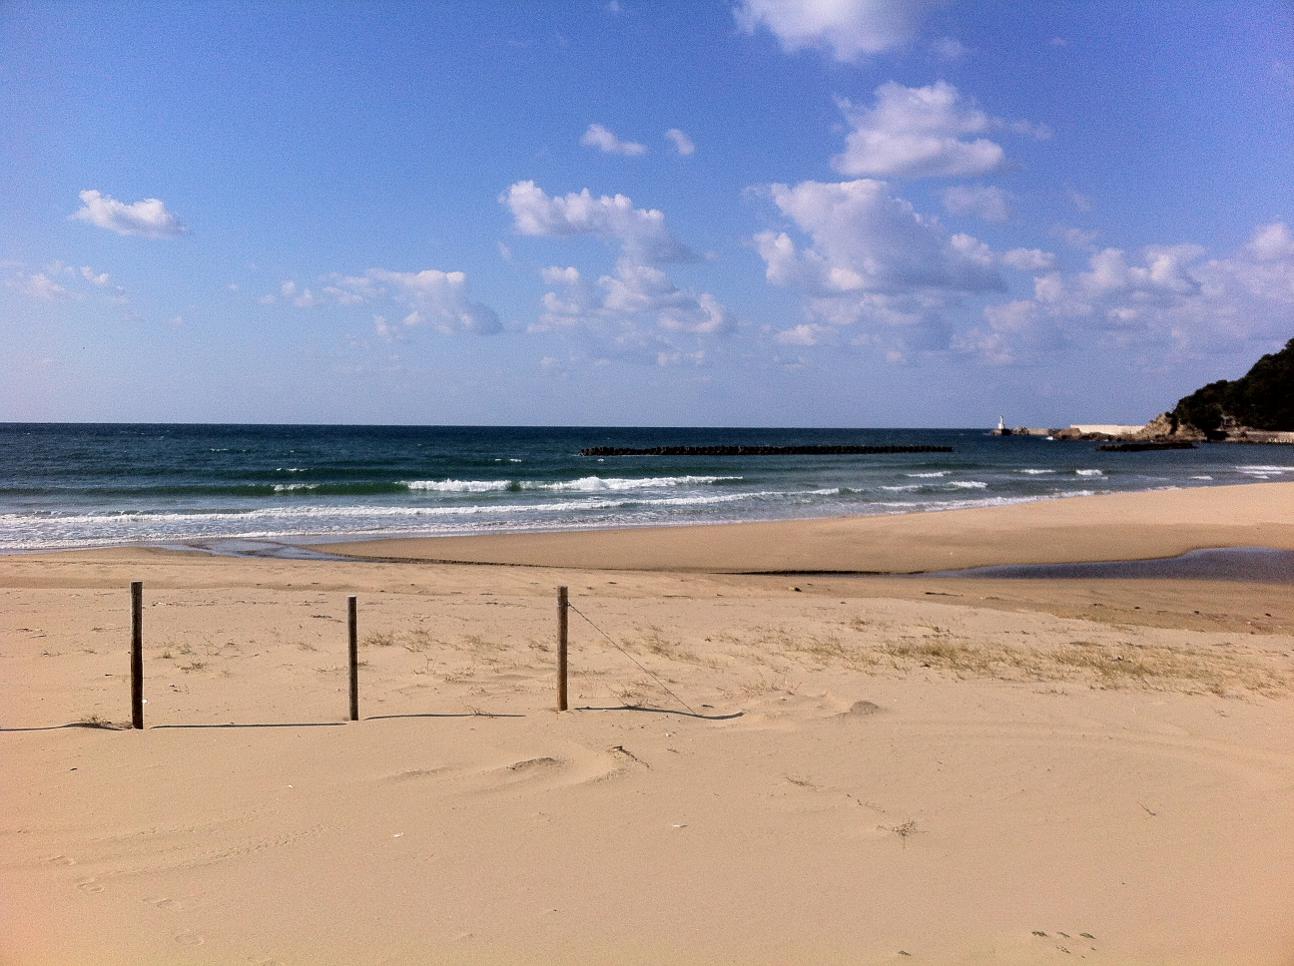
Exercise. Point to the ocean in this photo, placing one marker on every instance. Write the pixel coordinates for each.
(88, 485)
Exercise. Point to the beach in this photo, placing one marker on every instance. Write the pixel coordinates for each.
(777, 751)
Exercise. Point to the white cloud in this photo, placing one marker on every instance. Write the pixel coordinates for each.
(99, 279)
(635, 312)
(848, 29)
(557, 275)
(1171, 298)
(923, 132)
(148, 218)
(40, 286)
(682, 143)
(597, 136)
(804, 334)
(949, 49)
(641, 231)
(434, 298)
(1272, 242)
(865, 238)
(872, 260)
(988, 203)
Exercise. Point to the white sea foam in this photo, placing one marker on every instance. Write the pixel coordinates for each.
(1089, 472)
(599, 484)
(294, 487)
(1202, 477)
(585, 484)
(1036, 472)
(904, 488)
(968, 485)
(927, 476)
(457, 486)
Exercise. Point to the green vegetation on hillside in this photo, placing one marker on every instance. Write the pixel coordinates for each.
(1263, 398)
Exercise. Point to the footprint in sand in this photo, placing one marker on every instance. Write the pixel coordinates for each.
(61, 860)
(90, 885)
(162, 902)
(189, 939)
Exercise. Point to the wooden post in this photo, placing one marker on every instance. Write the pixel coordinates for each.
(561, 648)
(352, 620)
(137, 654)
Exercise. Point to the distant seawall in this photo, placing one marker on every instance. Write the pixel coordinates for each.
(759, 450)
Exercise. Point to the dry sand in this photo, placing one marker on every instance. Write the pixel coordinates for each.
(923, 770)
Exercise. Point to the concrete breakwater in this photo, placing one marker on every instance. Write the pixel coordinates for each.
(756, 450)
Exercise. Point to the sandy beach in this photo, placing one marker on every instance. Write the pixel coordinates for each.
(785, 763)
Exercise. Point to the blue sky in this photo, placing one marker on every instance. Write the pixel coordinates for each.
(869, 213)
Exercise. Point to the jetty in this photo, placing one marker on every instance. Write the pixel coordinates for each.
(758, 450)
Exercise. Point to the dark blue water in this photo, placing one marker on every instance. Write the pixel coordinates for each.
(86, 485)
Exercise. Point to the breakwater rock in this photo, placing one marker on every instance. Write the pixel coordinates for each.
(756, 450)
(1147, 446)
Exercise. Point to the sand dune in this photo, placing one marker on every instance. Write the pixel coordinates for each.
(880, 770)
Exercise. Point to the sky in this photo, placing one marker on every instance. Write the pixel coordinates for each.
(715, 213)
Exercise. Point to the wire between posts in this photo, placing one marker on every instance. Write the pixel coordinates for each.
(665, 687)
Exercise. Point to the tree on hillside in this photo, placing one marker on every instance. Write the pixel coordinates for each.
(1263, 398)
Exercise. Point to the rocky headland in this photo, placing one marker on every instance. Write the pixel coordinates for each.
(1256, 408)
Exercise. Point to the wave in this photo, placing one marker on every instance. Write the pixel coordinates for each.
(1090, 472)
(457, 486)
(968, 485)
(585, 484)
(1036, 472)
(927, 476)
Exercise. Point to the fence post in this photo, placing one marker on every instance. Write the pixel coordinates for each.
(562, 605)
(352, 620)
(136, 654)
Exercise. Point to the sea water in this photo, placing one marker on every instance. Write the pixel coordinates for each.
(81, 485)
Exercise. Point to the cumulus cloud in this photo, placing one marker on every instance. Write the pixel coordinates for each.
(848, 29)
(923, 132)
(864, 238)
(434, 298)
(597, 136)
(640, 231)
(1171, 297)
(635, 312)
(148, 218)
(872, 261)
(988, 203)
(682, 143)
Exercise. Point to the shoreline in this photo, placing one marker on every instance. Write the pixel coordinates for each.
(1124, 526)
(665, 546)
